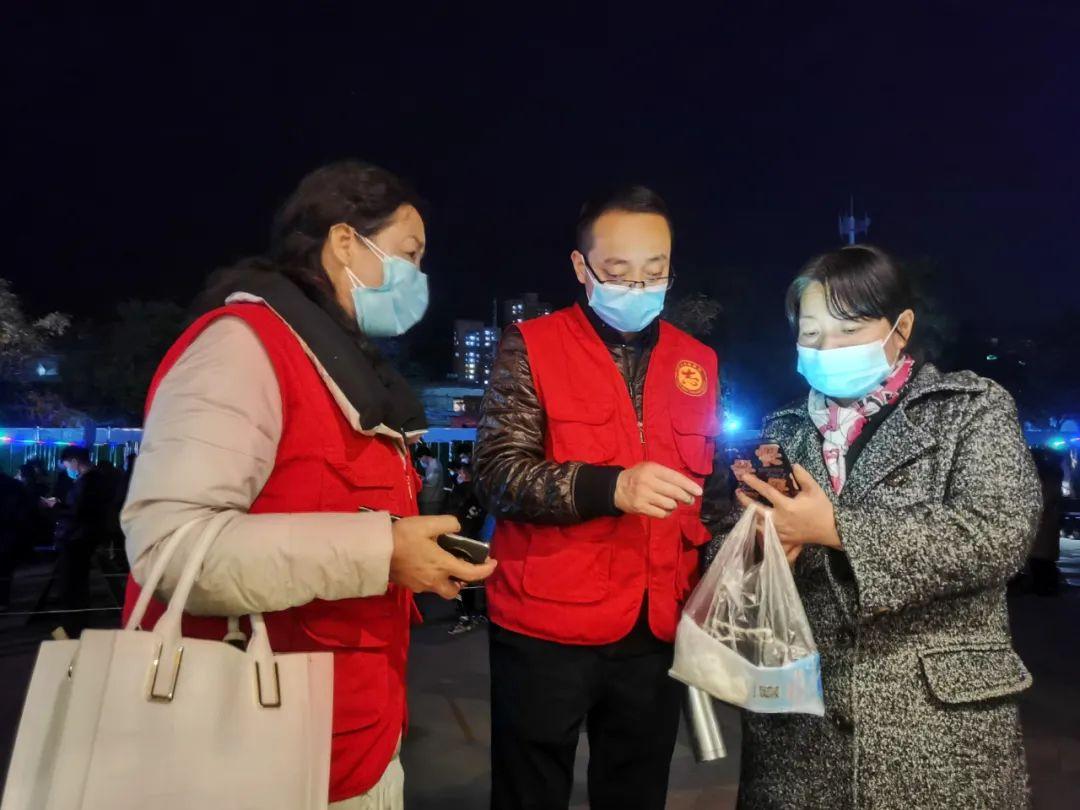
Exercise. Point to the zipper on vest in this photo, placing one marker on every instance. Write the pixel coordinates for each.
(405, 466)
(641, 422)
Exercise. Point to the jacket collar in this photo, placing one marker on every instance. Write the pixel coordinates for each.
(896, 442)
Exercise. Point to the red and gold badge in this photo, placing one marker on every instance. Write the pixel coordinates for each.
(691, 378)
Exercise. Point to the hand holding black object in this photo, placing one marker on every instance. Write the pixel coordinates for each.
(421, 565)
(808, 518)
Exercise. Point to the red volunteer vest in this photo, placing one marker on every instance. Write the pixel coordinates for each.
(323, 465)
(584, 584)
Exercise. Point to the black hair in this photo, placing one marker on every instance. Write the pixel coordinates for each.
(358, 194)
(30, 472)
(861, 282)
(75, 452)
(631, 199)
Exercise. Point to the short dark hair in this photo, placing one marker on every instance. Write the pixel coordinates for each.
(861, 282)
(631, 199)
(77, 453)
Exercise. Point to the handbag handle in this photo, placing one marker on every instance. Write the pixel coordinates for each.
(188, 575)
(166, 666)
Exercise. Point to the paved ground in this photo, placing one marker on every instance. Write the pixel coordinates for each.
(446, 755)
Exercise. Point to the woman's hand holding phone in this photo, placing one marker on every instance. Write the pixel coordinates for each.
(806, 519)
(421, 565)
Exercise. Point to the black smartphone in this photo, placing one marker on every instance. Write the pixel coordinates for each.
(464, 548)
(769, 462)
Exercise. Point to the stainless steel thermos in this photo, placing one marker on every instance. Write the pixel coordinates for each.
(704, 728)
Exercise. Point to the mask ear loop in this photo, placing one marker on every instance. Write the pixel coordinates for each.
(899, 354)
(378, 251)
(885, 339)
(381, 254)
(355, 281)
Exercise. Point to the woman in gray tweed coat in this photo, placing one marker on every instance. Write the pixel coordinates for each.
(919, 500)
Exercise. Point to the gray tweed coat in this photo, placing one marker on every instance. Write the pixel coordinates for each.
(918, 669)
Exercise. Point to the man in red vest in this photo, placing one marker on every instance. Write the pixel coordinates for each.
(594, 451)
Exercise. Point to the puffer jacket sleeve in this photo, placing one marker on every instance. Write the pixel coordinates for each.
(977, 538)
(719, 510)
(514, 478)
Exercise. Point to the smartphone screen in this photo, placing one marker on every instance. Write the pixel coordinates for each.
(769, 462)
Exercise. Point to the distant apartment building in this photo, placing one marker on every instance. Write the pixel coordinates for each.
(475, 344)
(521, 309)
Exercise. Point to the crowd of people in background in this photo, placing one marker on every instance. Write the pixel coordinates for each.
(448, 489)
(72, 512)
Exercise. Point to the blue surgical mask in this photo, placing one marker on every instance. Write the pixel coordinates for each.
(72, 473)
(850, 372)
(395, 306)
(626, 309)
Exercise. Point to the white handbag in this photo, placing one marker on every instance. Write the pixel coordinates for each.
(148, 720)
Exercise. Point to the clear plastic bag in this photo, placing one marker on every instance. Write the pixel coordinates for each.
(743, 636)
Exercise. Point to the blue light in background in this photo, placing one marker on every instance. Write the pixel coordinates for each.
(732, 423)
(1056, 443)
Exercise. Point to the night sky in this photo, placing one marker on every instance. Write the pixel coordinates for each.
(147, 148)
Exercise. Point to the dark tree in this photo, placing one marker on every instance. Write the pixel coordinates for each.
(107, 367)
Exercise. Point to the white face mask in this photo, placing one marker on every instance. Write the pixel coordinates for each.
(850, 372)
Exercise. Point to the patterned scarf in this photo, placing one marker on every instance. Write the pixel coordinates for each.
(840, 426)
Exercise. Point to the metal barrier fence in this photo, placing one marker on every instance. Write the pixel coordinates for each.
(19, 445)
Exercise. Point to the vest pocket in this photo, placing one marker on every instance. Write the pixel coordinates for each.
(361, 689)
(694, 432)
(694, 535)
(570, 563)
(966, 673)
(356, 624)
(366, 469)
(581, 431)
(694, 531)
